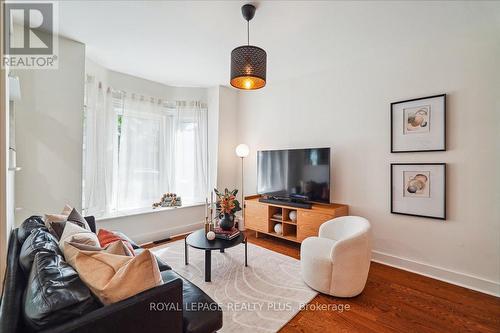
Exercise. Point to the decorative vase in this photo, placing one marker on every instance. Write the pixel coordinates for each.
(227, 222)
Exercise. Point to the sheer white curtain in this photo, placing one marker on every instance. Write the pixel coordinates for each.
(99, 142)
(163, 148)
(142, 168)
(190, 164)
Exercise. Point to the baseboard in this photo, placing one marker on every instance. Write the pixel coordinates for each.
(166, 233)
(457, 278)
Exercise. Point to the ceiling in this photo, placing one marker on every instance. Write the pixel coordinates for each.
(188, 43)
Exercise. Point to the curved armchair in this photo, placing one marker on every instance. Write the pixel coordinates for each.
(337, 262)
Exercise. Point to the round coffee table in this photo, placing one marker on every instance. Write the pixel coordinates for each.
(198, 240)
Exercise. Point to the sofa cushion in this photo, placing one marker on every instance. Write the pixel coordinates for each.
(54, 292)
(205, 316)
(111, 277)
(163, 266)
(31, 223)
(39, 240)
(74, 233)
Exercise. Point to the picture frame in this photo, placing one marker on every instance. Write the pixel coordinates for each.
(419, 124)
(419, 189)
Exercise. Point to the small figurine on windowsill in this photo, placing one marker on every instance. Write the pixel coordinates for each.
(168, 200)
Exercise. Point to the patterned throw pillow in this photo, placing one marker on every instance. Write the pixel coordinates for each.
(107, 237)
(57, 222)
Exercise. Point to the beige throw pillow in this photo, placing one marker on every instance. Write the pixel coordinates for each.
(74, 233)
(112, 277)
(119, 247)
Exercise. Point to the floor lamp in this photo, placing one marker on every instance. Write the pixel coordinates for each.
(242, 151)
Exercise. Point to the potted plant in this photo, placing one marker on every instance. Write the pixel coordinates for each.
(226, 206)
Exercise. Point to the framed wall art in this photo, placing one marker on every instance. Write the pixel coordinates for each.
(419, 124)
(419, 189)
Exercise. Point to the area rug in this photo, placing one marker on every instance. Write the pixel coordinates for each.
(262, 297)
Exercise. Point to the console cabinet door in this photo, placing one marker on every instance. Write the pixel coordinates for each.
(308, 223)
(256, 216)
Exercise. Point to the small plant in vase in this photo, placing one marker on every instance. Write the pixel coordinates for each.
(226, 206)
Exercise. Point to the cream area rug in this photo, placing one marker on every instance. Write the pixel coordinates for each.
(262, 297)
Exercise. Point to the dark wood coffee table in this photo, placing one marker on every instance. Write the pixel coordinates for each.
(198, 240)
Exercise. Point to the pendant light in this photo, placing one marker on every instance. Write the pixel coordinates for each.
(248, 62)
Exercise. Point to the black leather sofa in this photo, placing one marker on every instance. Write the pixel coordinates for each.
(138, 313)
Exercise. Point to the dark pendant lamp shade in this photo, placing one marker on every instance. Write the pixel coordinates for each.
(248, 62)
(248, 67)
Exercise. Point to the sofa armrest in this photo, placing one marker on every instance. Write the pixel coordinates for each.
(155, 310)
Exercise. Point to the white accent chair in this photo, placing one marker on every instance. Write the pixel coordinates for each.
(337, 262)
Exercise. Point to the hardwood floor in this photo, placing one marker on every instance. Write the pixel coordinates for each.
(393, 301)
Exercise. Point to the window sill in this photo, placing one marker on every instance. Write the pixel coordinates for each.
(142, 211)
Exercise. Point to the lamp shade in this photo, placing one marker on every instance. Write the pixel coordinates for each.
(248, 67)
(242, 150)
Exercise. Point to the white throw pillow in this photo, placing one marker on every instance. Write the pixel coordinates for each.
(76, 234)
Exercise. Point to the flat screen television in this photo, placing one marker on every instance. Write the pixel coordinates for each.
(295, 174)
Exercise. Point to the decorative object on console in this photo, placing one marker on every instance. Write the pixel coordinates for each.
(248, 62)
(419, 189)
(419, 124)
(227, 205)
(278, 228)
(292, 215)
(242, 151)
(278, 216)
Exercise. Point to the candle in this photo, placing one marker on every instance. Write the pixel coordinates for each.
(206, 208)
(211, 205)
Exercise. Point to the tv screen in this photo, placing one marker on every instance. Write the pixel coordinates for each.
(295, 174)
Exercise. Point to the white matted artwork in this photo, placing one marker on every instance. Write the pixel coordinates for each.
(419, 124)
(419, 189)
(417, 119)
(417, 184)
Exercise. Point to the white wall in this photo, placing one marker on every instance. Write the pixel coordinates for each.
(228, 166)
(49, 120)
(133, 84)
(157, 225)
(384, 53)
(5, 220)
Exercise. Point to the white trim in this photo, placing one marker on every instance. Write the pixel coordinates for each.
(141, 211)
(167, 233)
(439, 273)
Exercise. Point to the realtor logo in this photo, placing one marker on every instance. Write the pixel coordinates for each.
(29, 35)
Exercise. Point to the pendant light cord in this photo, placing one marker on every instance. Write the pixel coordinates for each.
(248, 32)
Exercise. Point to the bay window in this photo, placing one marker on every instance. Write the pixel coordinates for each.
(136, 148)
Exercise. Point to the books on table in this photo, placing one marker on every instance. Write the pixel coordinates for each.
(226, 234)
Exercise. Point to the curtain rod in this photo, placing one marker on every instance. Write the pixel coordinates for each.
(123, 93)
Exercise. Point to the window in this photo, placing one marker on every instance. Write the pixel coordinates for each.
(144, 149)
